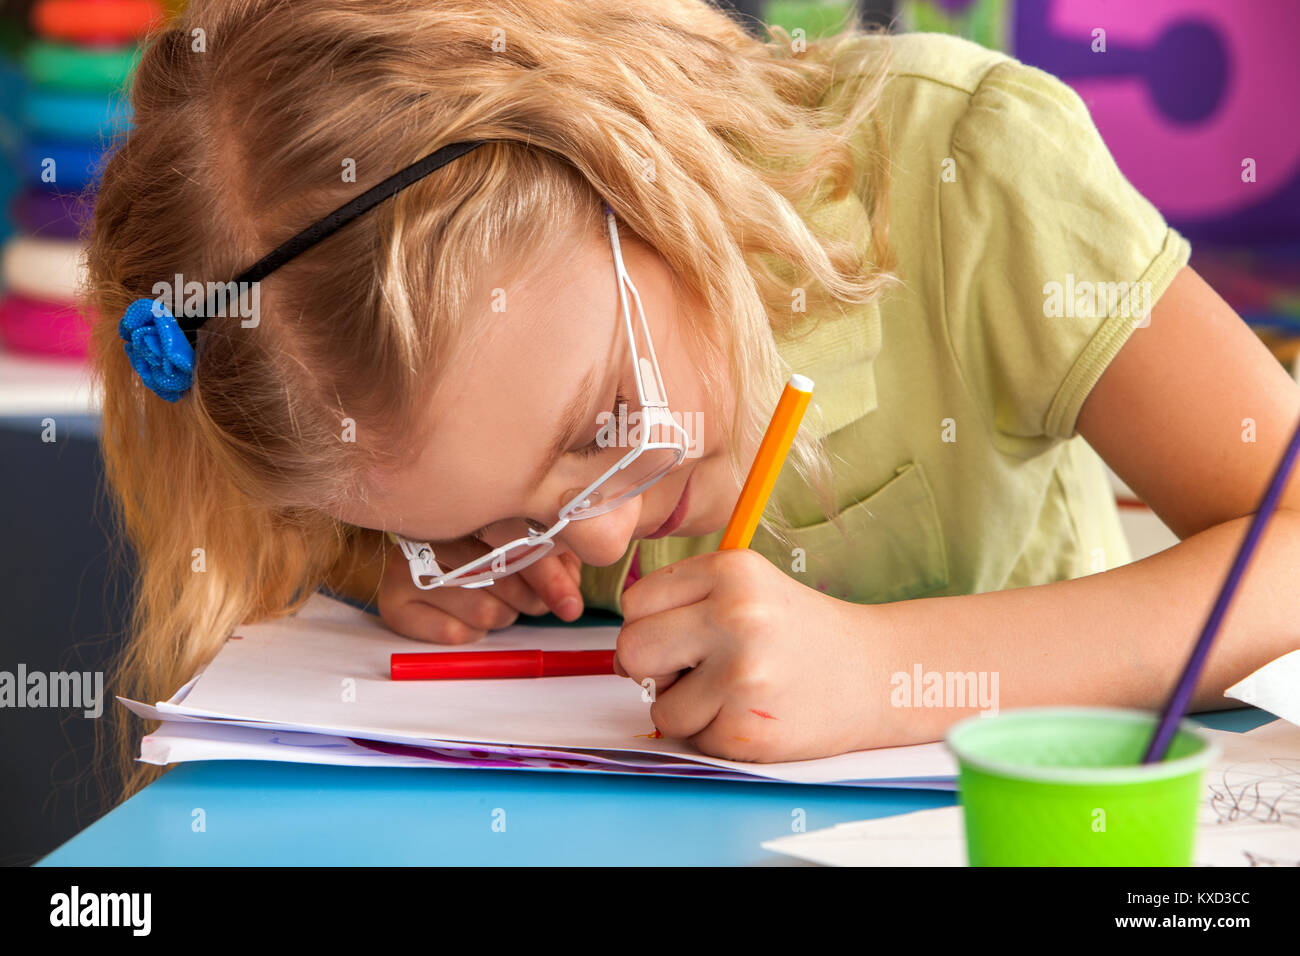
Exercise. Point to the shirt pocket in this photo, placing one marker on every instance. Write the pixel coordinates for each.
(892, 547)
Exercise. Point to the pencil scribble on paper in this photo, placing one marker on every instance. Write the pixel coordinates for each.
(1254, 859)
(1241, 793)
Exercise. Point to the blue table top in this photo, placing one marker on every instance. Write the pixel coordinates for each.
(261, 813)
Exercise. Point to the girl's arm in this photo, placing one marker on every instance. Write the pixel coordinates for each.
(1193, 414)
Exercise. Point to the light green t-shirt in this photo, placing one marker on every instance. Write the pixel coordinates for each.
(949, 405)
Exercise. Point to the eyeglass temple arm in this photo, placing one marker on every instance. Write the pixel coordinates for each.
(647, 371)
(420, 559)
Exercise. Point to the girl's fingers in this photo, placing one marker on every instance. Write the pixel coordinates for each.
(551, 584)
(553, 579)
(421, 621)
(667, 643)
(675, 585)
(574, 565)
(518, 593)
(689, 706)
(479, 608)
(660, 683)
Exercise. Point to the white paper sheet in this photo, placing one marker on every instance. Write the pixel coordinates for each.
(1249, 816)
(1275, 687)
(326, 670)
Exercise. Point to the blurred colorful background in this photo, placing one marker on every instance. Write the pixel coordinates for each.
(1186, 93)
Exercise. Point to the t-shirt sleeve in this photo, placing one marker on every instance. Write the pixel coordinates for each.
(1051, 258)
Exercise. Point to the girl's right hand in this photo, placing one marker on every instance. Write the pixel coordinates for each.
(452, 615)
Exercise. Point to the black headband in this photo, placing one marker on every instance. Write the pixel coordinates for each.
(333, 222)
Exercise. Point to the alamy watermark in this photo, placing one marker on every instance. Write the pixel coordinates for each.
(75, 908)
(1081, 298)
(56, 689)
(922, 688)
(624, 430)
(209, 299)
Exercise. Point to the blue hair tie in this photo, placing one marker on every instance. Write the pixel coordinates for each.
(159, 351)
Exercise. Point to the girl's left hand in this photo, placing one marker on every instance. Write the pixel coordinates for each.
(777, 670)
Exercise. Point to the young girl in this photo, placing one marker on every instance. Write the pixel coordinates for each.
(543, 356)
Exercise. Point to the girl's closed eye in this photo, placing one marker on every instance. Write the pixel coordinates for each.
(601, 441)
(479, 534)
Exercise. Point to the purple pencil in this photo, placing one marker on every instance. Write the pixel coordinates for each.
(1182, 694)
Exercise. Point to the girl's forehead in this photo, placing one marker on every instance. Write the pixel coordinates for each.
(535, 323)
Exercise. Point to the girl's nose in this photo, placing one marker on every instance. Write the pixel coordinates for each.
(603, 539)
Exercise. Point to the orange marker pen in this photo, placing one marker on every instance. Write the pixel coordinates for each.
(772, 452)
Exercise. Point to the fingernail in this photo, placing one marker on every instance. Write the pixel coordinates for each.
(570, 607)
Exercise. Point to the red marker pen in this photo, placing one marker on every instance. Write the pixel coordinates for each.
(495, 665)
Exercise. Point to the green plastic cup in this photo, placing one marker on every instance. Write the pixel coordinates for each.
(1066, 786)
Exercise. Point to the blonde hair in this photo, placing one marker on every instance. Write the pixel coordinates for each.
(236, 148)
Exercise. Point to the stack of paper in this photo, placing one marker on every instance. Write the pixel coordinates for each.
(315, 688)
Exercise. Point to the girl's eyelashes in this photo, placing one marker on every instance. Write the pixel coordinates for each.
(595, 446)
(479, 535)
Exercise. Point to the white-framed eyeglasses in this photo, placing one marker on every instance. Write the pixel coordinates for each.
(661, 445)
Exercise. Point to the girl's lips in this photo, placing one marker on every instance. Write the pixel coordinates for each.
(678, 515)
